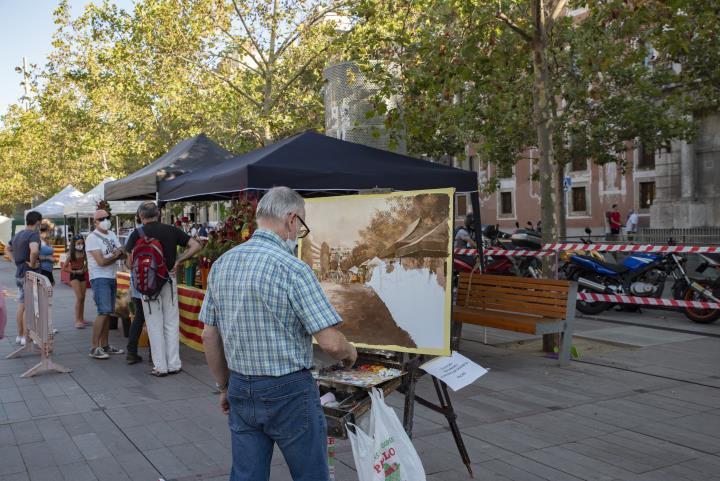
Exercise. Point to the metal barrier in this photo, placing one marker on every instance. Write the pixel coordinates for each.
(38, 325)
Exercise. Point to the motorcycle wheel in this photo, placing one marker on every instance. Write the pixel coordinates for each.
(701, 316)
(589, 308)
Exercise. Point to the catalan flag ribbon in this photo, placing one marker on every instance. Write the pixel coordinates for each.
(190, 300)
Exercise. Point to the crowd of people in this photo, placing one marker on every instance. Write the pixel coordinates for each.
(95, 258)
(262, 308)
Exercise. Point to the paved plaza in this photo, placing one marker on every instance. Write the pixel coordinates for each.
(642, 404)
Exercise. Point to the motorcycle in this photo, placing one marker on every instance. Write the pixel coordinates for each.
(700, 290)
(565, 270)
(640, 274)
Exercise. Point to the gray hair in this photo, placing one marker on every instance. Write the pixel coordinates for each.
(279, 202)
(148, 210)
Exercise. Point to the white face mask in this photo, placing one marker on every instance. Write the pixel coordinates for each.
(80, 247)
(292, 244)
(105, 224)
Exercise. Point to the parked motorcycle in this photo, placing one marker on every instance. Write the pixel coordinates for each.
(566, 268)
(701, 290)
(641, 274)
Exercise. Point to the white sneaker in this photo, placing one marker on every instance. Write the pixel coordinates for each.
(18, 339)
(98, 353)
(23, 341)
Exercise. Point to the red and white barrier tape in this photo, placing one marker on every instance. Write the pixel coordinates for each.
(646, 301)
(550, 249)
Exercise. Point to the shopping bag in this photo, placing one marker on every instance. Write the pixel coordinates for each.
(3, 314)
(386, 454)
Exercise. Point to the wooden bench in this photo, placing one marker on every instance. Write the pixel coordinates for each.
(533, 306)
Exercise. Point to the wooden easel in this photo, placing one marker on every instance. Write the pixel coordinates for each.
(412, 364)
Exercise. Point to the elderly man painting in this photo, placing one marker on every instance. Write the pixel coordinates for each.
(262, 308)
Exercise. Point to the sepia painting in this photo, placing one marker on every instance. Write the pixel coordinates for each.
(384, 261)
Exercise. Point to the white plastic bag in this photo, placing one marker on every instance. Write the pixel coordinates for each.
(387, 455)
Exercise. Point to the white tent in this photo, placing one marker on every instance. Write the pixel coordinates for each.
(85, 206)
(5, 229)
(53, 208)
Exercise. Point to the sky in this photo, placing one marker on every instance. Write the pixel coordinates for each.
(26, 29)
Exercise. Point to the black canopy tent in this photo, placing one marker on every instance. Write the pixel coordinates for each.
(194, 153)
(311, 162)
(314, 162)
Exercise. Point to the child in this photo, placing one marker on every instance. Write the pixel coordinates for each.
(46, 254)
(76, 265)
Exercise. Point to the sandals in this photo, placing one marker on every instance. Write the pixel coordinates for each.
(157, 373)
(79, 325)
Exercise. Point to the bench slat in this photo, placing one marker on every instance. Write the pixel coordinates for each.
(499, 320)
(525, 282)
(549, 295)
(463, 296)
(554, 312)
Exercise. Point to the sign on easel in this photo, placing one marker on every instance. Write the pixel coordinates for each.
(38, 325)
(457, 371)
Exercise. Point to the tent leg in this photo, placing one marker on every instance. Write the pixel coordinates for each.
(475, 201)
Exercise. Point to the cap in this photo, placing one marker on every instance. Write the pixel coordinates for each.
(100, 213)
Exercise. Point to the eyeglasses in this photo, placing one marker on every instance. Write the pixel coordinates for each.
(303, 230)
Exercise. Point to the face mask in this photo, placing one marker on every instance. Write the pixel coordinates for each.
(292, 244)
(79, 247)
(105, 225)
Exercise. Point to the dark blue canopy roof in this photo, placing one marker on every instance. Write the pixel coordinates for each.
(314, 162)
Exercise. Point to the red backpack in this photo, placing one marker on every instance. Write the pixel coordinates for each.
(149, 271)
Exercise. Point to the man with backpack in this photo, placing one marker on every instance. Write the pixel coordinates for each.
(153, 247)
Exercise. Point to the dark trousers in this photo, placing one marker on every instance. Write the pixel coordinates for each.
(136, 326)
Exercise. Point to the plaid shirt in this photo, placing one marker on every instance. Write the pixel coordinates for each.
(267, 304)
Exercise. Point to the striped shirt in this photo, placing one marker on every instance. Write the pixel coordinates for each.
(267, 304)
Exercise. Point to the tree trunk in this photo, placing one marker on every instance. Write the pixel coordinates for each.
(270, 72)
(542, 112)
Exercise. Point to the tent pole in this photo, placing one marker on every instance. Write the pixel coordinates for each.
(475, 201)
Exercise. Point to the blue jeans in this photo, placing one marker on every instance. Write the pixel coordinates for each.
(285, 410)
(104, 290)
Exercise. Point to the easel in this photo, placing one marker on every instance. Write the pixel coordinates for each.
(412, 364)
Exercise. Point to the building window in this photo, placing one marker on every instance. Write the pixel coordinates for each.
(579, 200)
(505, 171)
(647, 194)
(461, 208)
(578, 163)
(646, 158)
(506, 204)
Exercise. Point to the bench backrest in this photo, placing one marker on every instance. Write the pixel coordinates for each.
(542, 298)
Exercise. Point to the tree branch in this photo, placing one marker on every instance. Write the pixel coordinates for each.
(233, 59)
(248, 31)
(556, 11)
(219, 77)
(260, 65)
(307, 25)
(301, 70)
(516, 28)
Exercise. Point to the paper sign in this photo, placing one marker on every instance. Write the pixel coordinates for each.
(457, 371)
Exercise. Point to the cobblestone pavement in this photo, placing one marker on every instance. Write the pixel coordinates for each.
(643, 410)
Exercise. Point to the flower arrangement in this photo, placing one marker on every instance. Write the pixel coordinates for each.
(237, 228)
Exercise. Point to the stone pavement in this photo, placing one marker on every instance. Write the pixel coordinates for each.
(624, 412)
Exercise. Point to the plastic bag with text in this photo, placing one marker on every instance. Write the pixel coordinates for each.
(386, 454)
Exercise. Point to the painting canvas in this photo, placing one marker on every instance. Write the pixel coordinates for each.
(384, 261)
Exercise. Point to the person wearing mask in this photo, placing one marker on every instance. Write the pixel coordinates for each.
(162, 314)
(103, 250)
(203, 231)
(76, 266)
(24, 250)
(47, 259)
(261, 310)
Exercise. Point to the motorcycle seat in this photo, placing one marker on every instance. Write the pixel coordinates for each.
(619, 268)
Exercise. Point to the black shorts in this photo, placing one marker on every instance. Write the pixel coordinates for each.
(77, 277)
(49, 275)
